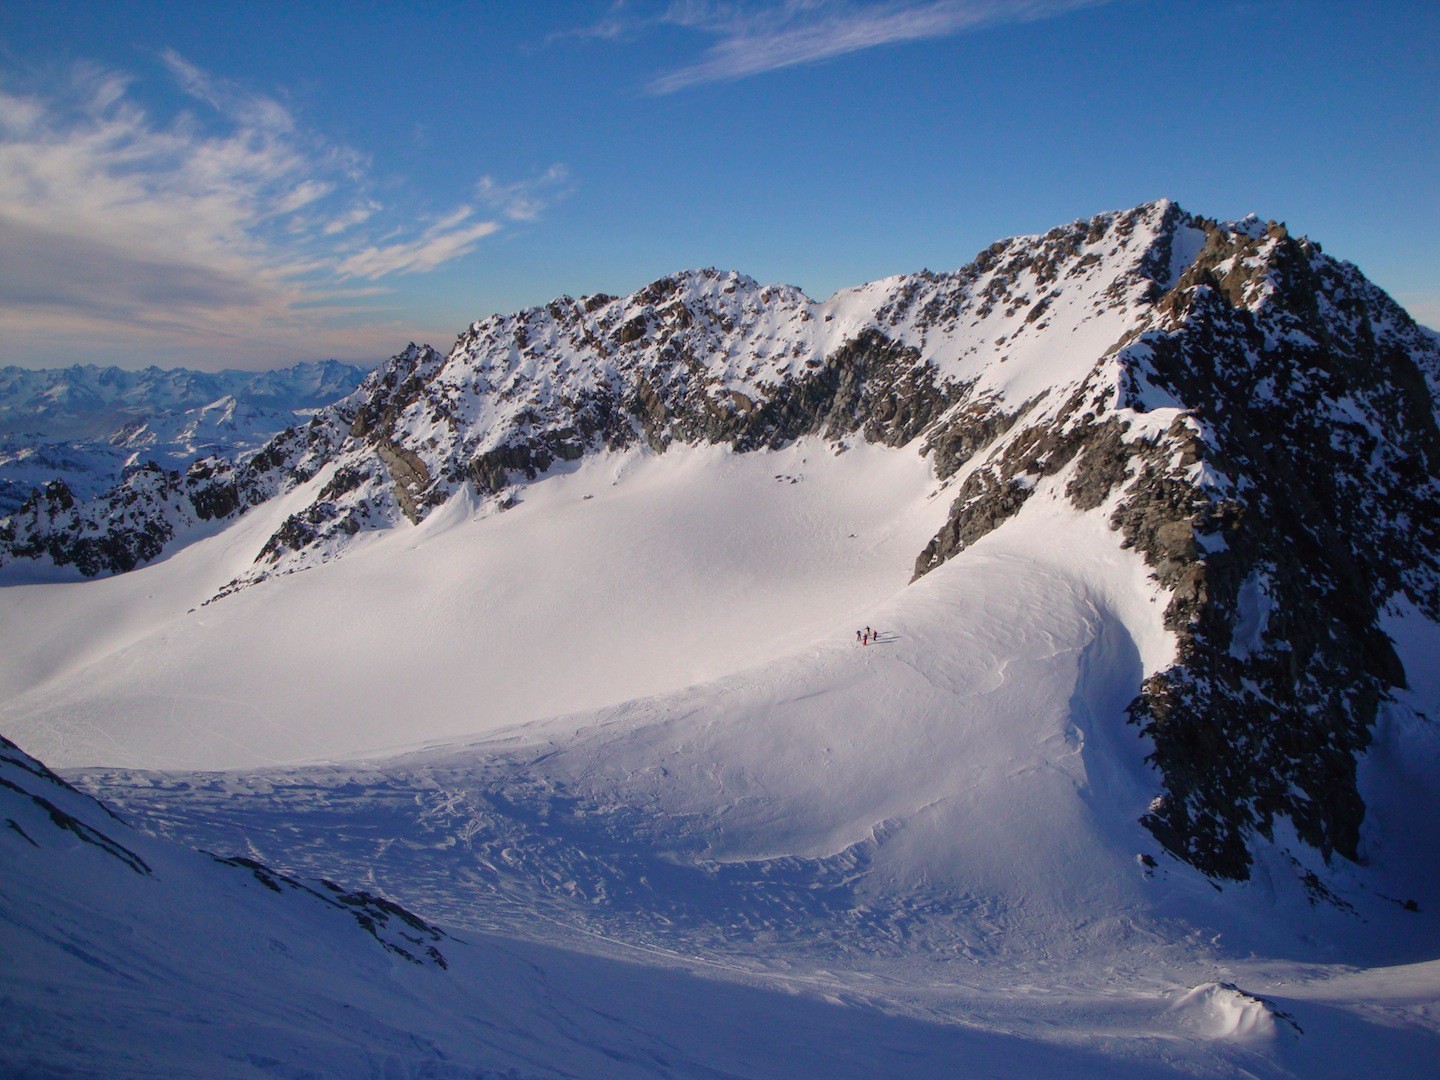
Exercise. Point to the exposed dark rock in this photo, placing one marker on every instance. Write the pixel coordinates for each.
(213, 490)
(1246, 731)
(984, 503)
(1104, 464)
(957, 439)
(384, 920)
(408, 471)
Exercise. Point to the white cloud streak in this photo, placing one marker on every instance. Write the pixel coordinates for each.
(527, 199)
(448, 239)
(753, 39)
(356, 215)
(228, 232)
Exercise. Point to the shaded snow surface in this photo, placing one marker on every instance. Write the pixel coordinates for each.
(620, 741)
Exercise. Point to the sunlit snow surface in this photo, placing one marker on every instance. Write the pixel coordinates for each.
(636, 574)
(622, 741)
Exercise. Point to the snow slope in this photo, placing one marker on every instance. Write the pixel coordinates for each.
(634, 574)
(896, 859)
(977, 753)
(940, 827)
(129, 957)
(126, 956)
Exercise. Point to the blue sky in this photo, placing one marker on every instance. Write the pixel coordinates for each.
(245, 185)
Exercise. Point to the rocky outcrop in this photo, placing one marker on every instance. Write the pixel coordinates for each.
(1293, 496)
(138, 520)
(1305, 386)
(411, 477)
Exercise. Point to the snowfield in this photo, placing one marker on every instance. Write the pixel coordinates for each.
(635, 574)
(620, 742)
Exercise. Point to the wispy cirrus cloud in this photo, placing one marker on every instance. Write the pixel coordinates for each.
(452, 236)
(228, 230)
(357, 214)
(527, 199)
(756, 37)
(457, 233)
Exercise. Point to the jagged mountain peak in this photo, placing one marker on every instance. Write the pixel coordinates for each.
(741, 335)
(1251, 225)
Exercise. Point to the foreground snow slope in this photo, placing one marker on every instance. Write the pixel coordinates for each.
(124, 956)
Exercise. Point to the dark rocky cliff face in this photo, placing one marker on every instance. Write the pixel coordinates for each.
(1254, 418)
(1295, 496)
(1312, 403)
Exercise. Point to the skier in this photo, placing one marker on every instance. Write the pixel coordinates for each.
(857, 637)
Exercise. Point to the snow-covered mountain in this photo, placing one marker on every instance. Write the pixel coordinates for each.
(1145, 509)
(1252, 416)
(85, 425)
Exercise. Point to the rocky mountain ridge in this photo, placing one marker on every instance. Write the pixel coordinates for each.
(1251, 415)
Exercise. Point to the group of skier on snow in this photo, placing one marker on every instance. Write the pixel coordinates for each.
(866, 636)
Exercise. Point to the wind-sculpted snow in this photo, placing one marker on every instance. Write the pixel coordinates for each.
(49, 815)
(127, 955)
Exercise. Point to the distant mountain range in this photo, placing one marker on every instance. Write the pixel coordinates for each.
(85, 425)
